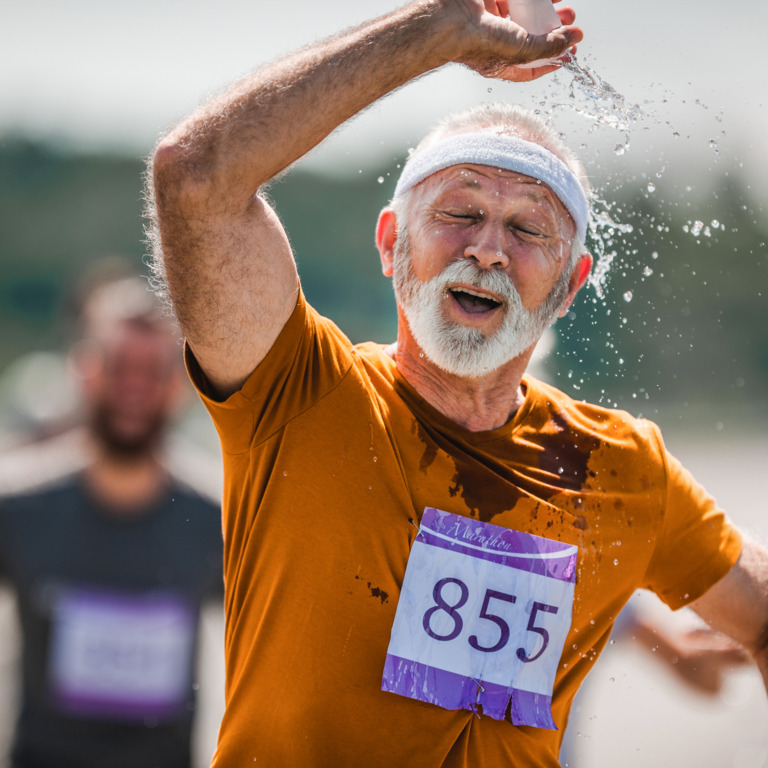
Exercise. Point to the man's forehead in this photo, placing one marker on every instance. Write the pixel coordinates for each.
(512, 185)
(476, 176)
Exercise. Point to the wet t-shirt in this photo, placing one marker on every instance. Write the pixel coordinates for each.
(402, 591)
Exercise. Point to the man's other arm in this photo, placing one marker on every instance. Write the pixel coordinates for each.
(737, 605)
(226, 258)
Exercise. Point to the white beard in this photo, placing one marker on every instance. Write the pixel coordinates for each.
(456, 349)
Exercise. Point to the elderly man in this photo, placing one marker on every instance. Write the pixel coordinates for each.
(425, 548)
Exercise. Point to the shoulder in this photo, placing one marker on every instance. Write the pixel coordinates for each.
(373, 357)
(611, 426)
(308, 346)
(308, 361)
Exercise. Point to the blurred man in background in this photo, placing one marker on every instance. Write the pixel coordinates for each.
(111, 555)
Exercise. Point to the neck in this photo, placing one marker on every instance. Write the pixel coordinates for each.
(126, 485)
(481, 404)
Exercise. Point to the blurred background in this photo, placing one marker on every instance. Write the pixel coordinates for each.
(672, 125)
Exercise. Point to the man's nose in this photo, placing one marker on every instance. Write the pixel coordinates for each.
(487, 247)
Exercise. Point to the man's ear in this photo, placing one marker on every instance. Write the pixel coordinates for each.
(578, 278)
(386, 236)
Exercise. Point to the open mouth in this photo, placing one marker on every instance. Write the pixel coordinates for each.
(474, 302)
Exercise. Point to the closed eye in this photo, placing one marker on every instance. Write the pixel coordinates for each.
(463, 215)
(523, 230)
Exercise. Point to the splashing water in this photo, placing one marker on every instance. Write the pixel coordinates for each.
(601, 232)
(597, 100)
(604, 104)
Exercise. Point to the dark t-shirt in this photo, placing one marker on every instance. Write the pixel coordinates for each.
(109, 607)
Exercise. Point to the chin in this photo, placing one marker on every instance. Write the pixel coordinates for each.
(466, 352)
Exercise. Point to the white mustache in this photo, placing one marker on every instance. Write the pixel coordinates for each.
(493, 281)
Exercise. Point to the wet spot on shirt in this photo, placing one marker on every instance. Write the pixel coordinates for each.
(566, 452)
(375, 591)
(485, 494)
(430, 447)
(580, 522)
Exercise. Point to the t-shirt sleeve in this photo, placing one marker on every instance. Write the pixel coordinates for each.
(697, 544)
(309, 359)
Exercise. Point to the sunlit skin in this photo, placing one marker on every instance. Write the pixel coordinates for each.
(501, 220)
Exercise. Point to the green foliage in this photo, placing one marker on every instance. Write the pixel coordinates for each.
(60, 212)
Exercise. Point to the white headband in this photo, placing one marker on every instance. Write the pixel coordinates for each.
(500, 151)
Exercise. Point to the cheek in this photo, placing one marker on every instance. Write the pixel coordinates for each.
(433, 251)
(535, 272)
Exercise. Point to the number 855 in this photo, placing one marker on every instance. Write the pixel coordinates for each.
(504, 631)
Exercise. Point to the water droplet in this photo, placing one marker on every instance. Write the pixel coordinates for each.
(620, 149)
(628, 296)
(651, 187)
(696, 228)
(647, 271)
(715, 223)
(616, 561)
(380, 179)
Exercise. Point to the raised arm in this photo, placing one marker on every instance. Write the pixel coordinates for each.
(737, 605)
(225, 257)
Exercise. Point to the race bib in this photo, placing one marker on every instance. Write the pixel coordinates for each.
(123, 656)
(482, 619)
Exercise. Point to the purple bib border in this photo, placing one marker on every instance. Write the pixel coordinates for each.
(100, 707)
(452, 691)
(500, 545)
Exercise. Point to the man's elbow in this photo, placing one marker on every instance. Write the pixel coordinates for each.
(178, 177)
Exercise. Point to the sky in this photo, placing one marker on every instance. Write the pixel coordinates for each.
(109, 75)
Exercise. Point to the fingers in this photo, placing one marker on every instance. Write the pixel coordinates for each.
(525, 74)
(567, 15)
(518, 74)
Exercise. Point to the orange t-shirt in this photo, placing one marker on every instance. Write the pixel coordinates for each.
(330, 459)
